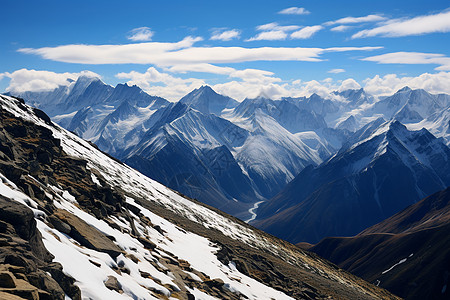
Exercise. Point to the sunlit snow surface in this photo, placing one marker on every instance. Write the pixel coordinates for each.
(197, 250)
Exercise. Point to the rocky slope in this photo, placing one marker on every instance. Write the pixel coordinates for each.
(408, 254)
(91, 227)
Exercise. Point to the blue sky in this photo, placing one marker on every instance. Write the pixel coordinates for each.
(241, 48)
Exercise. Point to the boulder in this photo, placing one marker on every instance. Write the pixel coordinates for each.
(113, 284)
(87, 235)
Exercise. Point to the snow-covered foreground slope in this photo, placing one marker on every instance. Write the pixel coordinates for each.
(121, 235)
(91, 268)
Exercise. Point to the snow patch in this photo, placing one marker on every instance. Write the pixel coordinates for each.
(390, 269)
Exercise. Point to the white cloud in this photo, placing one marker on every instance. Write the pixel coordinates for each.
(140, 34)
(389, 84)
(272, 32)
(161, 84)
(349, 84)
(173, 88)
(336, 71)
(240, 90)
(201, 68)
(294, 11)
(276, 26)
(341, 28)
(39, 81)
(272, 35)
(376, 86)
(226, 35)
(255, 76)
(412, 58)
(275, 88)
(355, 20)
(251, 83)
(415, 26)
(250, 75)
(139, 53)
(306, 32)
(183, 52)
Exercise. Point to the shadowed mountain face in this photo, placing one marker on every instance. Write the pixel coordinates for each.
(387, 169)
(76, 223)
(408, 253)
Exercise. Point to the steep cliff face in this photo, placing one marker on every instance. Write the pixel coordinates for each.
(104, 231)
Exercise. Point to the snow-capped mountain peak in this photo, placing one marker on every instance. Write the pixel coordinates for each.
(206, 100)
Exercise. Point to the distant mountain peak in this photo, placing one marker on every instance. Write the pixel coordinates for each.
(84, 79)
(125, 86)
(404, 89)
(206, 88)
(206, 100)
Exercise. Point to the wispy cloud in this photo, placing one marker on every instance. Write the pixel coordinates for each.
(225, 35)
(183, 52)
(138, 53)
(336, 71)
(272, 32)
(355, 20)
(294, 11)
(141, 34)
(252, 75)
(306, 32)
(405, 27)
(276, 26)
(201, 68)
(341, 28)
(411, 58)
(272, 35)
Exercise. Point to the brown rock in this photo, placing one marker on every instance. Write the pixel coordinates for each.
(87, 235)
(8, 296)
(46, 283)
(113, 284)
(217, 283)
(59, 225)
(147, 243)
(7, 280)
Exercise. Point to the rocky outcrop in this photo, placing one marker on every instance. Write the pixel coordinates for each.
(26, 268)
(85, 234)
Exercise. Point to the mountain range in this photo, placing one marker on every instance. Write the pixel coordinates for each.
(384, 171)
(76, 223)
(237, 156)
(305, 169)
